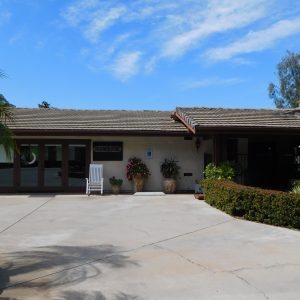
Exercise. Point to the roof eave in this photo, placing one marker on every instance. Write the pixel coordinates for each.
(93, 132)
(246, 129)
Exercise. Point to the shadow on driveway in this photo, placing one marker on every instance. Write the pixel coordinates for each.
(65, 264)
(74, 295)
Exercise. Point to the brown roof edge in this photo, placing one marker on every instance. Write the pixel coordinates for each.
(63, 132)
(176, 116)
(246, 129)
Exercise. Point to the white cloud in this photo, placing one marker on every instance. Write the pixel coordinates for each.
(76, 12)
(16, 38)
(150, 64)
(257, 40)
(101, 21)
(212, 81)
(220, 16)
(126, 65)
(115, 29)
(5, 16)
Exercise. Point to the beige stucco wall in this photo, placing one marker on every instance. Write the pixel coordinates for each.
(184, 151)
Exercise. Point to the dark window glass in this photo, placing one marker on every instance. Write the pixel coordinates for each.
(6, 169)
(107, 151)
(53, 165)
(29, 157)
(76, 165)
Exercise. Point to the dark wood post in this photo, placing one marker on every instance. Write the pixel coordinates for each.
(217, 149)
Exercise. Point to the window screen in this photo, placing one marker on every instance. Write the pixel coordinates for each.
(107, 151)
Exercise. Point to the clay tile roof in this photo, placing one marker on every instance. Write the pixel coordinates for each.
(203, 117)
(94, 120)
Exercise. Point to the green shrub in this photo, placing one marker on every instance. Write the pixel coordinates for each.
(169, 168)
(296, 187)
(255, 204)
(114, 181)
(224, 171)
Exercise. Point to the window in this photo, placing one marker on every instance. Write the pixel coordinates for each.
(6, 168)
(107, 151)
(76, 165)
(29, 163)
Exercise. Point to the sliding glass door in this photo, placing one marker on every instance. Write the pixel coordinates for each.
(29, 163)
(53, 165)
(76, 165)
(46, 165)
(6, 168)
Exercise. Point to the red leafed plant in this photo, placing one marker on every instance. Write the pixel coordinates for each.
(135, 167)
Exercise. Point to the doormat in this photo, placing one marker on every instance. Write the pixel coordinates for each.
(149, 194)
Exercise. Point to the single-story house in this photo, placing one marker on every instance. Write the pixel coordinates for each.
(56, 146)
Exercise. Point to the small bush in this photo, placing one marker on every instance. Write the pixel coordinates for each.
(296, 187)
(135, 167)
(255, 204)
(169, 168)
(224, 171)
(114, 181)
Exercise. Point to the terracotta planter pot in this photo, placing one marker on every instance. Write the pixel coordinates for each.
(138, 183)
(115, 189)
(170, 185)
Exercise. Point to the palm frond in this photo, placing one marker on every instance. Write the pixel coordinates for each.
(6, 140)
(6, 113)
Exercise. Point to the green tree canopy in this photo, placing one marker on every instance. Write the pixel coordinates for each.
(6, 115)
(4, 101)
(44, 104)
(287, 94)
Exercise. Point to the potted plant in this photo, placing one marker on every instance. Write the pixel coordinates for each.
(169, 170)
(137, 171)
(115, 184)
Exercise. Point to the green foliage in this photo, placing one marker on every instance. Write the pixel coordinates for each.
(296, 187)
(44, 104)
(6, 116)
(169, 168)
(225, 171)
(114, 181)
(134, 167)
(255, 204)
(4, 102)
(287, 95)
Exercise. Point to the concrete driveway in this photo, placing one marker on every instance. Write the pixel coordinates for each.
(147, 247)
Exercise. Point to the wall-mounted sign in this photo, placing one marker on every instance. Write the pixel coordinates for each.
(149, 153)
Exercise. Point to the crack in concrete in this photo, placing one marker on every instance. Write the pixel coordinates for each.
(89, 262)
(185, 234)
(142, 231)
(184, 257)
(27, 215)
(265, 267)
(214, 272)
(249, 284)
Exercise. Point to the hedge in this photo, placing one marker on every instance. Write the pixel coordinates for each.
(255, 204)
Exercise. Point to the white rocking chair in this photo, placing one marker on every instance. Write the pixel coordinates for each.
(95, 180)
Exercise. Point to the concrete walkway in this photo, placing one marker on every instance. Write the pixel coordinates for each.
(140, 247)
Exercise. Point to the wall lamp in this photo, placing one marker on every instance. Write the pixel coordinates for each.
(197, 143)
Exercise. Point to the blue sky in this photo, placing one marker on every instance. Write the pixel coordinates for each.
(144, 54)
